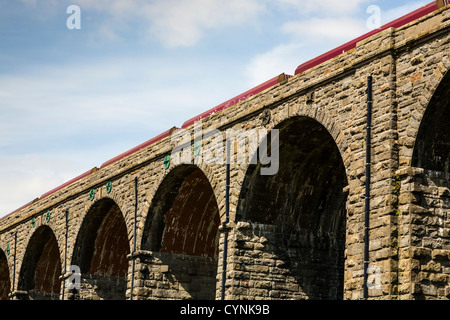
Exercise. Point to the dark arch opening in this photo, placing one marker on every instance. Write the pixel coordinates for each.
(5, 284)
(41, 267)
(430, 189)
(432, 146)
(182, 230)
(301, 212)
(101, 253)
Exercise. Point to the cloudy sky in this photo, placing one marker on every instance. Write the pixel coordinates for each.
(72, 98)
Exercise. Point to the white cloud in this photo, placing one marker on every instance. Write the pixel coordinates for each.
(59, 122)
(397, 12)
(321, 26)
(49, 7)
(306, 38)
(282, 58)
(104, 91)
(323, 30)
(321, 7)
(177, 23)
(184, 22)
(27, 177)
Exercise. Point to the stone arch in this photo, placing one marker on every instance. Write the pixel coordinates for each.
(432, 144)
(182, 184)
(181, 229)
(101, 251)
(330, 123)
(209, 170)
(300, 211)
(5, 283)
(319, 114)
(115, 195)
(40, 271)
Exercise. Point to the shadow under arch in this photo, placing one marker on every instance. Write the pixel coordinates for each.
(100, 252)
(5, 282)
(427, 185)
(432, 144)
(181, 232)
(297, 216)
(40, 272)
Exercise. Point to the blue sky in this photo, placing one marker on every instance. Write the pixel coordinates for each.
(72, 99)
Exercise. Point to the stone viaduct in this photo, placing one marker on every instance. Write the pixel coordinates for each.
(143, 226)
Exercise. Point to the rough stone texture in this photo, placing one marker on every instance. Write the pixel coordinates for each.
(296, 235)
(172, 276)
(424, 237)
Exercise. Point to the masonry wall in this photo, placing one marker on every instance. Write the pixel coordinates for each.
(408, 213)
(174, 276)
(261, 269)
(424, 242)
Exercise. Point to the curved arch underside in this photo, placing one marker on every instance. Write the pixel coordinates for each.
(302, 207)
(182, 232)
(432, 146)
(184, 217)
(5, 283)
(101, 251)
(41, 267)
